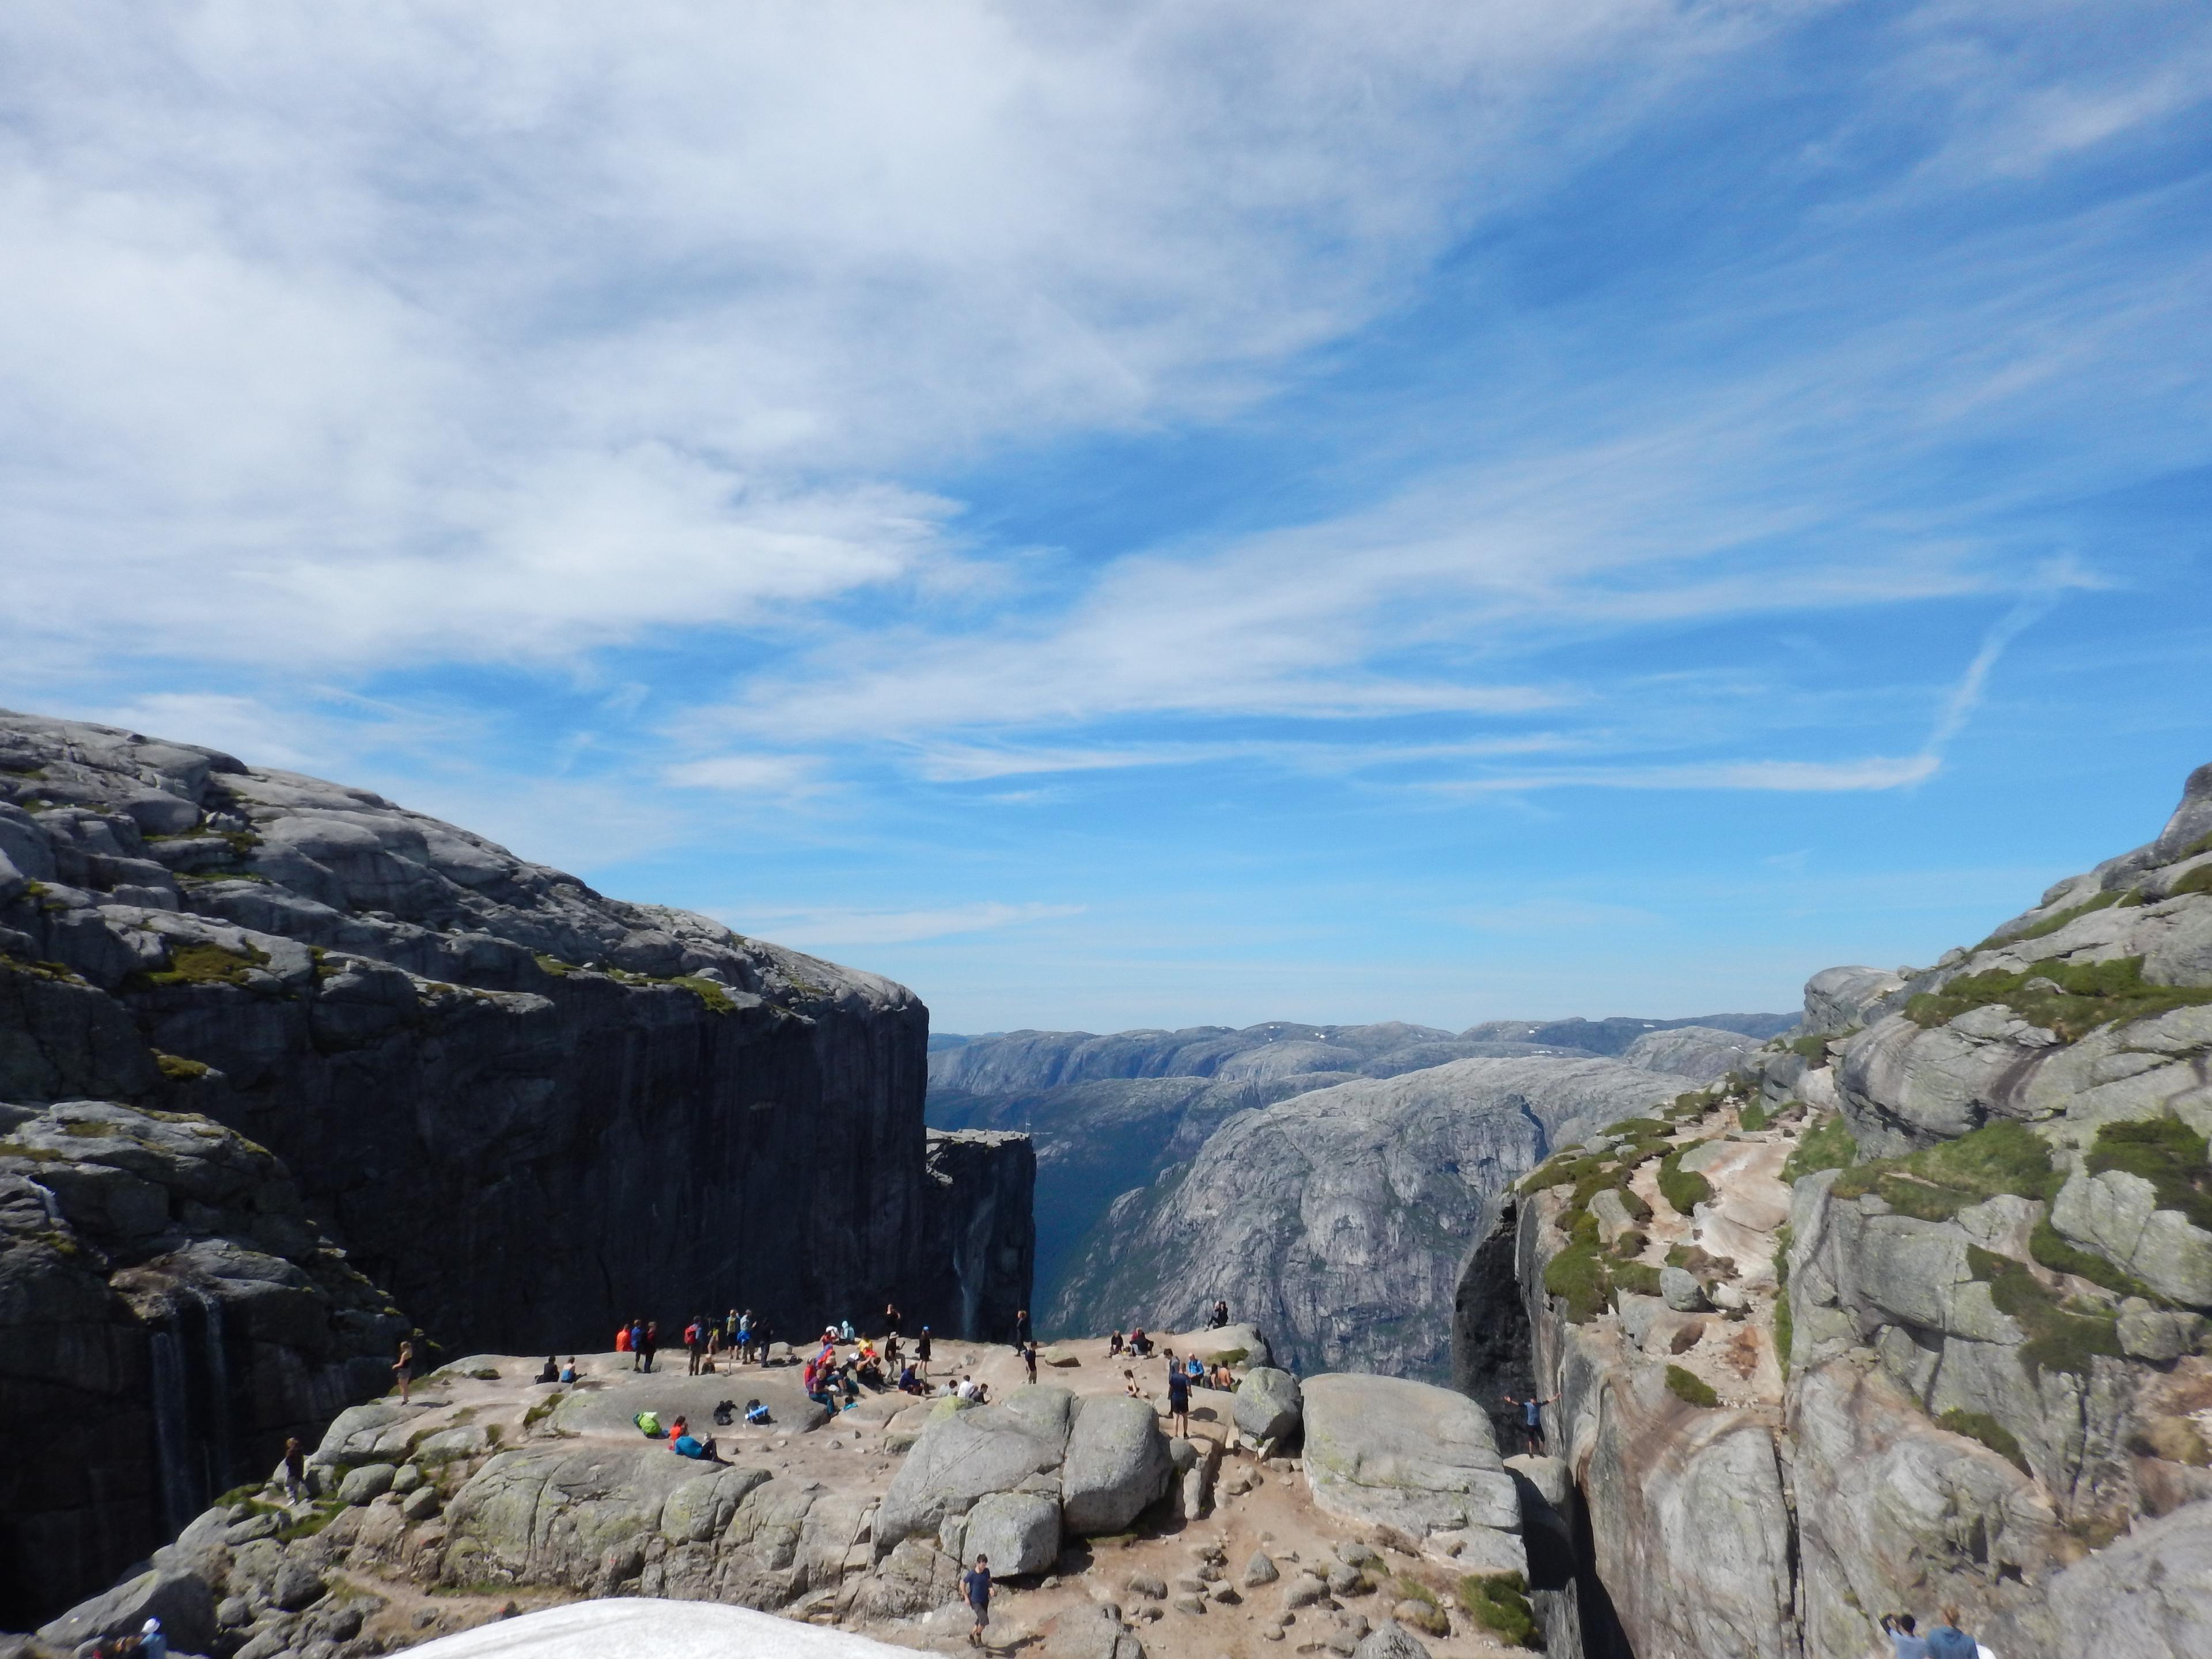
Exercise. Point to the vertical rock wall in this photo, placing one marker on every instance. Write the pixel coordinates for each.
(982, 1240)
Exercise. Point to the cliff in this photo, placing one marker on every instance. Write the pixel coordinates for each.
(1911, 1311)
(525, 1110)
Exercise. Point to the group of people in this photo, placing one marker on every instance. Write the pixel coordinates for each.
(1946, 1641)
(735, 1339)
(150, 1641)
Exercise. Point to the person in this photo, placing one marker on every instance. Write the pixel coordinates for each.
(977, 1585)
(1220, 1317)
(1947, 1641)
(684, 1443)
(1129, 1385)
(908, 1383)
(1021, 1330)
(637, 1345)
(651, 1344)
(1223, 1378)
(1179, 1399)
(1140, 1344)
(1902, 1640)
(295, 1470)
(891, 1319)
(648, 1424)
(1532, 1417)
(569, 1370)
(745, 1336)
(551, 1373)
(152, 1642)
(845, 1331)
(921, 1352)
(764, 1334)
(1029, 1359)
(692, 1345)
(621, 1338)
(890, 1353)
(967, 1388)
(1193, 1371)
(403, 1368)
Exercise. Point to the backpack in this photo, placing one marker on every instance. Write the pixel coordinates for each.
(649, 1424)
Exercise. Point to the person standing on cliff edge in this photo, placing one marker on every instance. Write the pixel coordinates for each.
(403, 1368)
(1021, 1330)
(1532, 1417)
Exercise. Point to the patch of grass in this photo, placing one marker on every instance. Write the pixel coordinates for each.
(1629, 1244)
(2167, 1153)
(1813, 1047)
(544, 1409)
(1755, 1116)
(1684, 1189)
(1827, 1146)
(324, 1511)
(1690, 1389)
(1640, 1278)
(207, 964)
(2059, 1336)
(1577, 1276)
(2198, 880)
(1979, 1426)
(57, 971)
(1500, 1603)
(714, 995)
(553, 965)
(1785, 1327)
(2088, 995)
(2055, 1251)
(177, 1069)
(1557, 1171)
(1635, 1128)
(1938, 1182)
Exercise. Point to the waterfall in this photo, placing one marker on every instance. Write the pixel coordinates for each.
(190, 1367)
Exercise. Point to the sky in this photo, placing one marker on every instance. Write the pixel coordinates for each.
(1149, 514)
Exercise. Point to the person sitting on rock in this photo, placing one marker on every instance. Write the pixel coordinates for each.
(1114, 1348)
(1223, 1378)
(1220, 1317)
(552, 1371)
(684, 1443)
(569, 1370)
(910, 1384)
(1129, 1385)
(1140, 1344)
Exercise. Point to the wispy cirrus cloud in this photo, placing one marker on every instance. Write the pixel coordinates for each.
(835, 928)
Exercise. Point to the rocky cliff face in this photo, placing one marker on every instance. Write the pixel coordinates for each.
(1337, 1219)
(1913, 1313)
(170, 1316)
(525, 1109)
(981, 1240)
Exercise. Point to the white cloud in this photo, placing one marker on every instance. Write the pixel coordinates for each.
(766, 774)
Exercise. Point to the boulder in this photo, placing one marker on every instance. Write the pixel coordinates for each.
(962, 1457)
(1401, 1454)
(370, 1481)
(1681, 1290)
(181, 1600)
(1261, 1570)
(1117, 1463)
(1090, 1632)
(1269, 1405)
(297, 1585)
(2117, 1215)
(1229, 1345)
(420, 1504)
(2146, 1596)
(1018, 1531)
(1391, 1640)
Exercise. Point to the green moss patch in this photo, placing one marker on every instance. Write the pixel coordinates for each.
(2052, 924)
(1827, 1146)
(1577, 1276)
(2167, 1153)
(1690, 1389)
(1683, 1190)
(2088, 995)
(177, 1069)
(1640, 1278)
(1636, 1129)
(1938, 1182)
(2055, 1251)
(1785, 1327)
(1500, 1603)
(716, 996)
(2061, 1337)
(1979, 1426)
(2198, 880)
(1754, 1116)
(208, 964)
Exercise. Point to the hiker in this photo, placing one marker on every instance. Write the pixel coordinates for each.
(648, 1424)
(621, 1338)
(637, 1345)
(694, 1338)
(154, 1643)
(1029, 1359)
(1904, 1642)
(744, 1326)
(1113, 1348)
(921, 1352)
(1223, 1378)
(977, 1585)
(1021, 1330)
(1129, 1385)
(1532, 1417)
(891, 1319)
(845, 1331)
(684, 1443)
(403, 1368)
(910, 1384)
(552, 1371)
(891, 1353)
(967, 1388)
(1220, 1317)
(1179, 1399)
(569, 1370)
(1947, 1641)
(1140, 1344)
(295, 1470)
(651, 1345)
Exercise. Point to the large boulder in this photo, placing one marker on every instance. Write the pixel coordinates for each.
(181, 1600)
(1224, 1344)
(1020, 1531)
(1405, 1455)
(1117, 1464)
(1269, 1404)
(2147, 1596)
(962, 1457)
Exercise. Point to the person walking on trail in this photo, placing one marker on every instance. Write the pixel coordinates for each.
(1947, 1641)
(403, 1368)
(1532, 1418)
(977, 1585)
(295, 1470)
(1029, 1359)
(1179, 1399)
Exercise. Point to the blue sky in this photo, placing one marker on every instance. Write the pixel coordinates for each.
(1157, 514)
